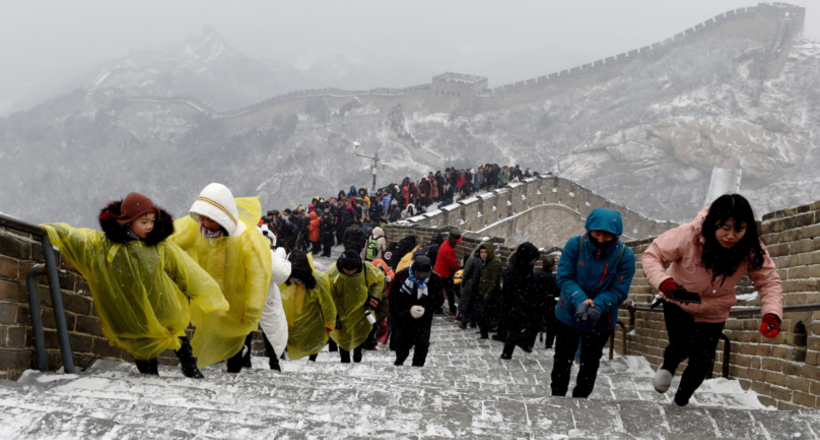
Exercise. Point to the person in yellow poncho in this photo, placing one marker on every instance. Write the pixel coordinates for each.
(356, 287)
(309, 308)
(221, 236)
(140, 282)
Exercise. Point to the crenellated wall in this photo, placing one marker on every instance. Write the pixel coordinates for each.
(536, 210)
(774, 25)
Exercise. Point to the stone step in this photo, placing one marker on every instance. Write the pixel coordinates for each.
(349, 406)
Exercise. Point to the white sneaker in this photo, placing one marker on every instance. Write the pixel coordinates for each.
(662, 381)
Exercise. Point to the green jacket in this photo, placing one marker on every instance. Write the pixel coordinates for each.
(490, 282)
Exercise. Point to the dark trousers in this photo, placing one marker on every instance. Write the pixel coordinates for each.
(418, 338)
(522, 337)
(689, 339)
(345, 355)
(316, 247)
(327, 243)
(270, 352)
(450, 289)
(550, 320)
(235, 362)
(566, 342)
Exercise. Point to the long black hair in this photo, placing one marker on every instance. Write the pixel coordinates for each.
(723, 261)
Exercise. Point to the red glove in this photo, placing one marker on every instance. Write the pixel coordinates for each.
(771, 325)
(669, 285)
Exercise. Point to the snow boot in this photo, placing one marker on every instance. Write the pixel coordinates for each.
(148, 367)
(662, 381)
(187, 361)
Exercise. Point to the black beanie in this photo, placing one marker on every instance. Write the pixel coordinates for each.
(349, 260)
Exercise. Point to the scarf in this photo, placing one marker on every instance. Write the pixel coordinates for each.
(413, 281)
(131, 234)
(208, 234)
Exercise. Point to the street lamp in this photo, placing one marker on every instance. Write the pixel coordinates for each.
(375, 159)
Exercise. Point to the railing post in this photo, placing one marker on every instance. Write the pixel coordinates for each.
(611, 343)
(36, 318)
(57, 303)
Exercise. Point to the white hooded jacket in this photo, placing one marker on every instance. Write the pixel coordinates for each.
(273, 320)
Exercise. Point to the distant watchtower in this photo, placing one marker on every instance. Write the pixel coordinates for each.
(459, 86)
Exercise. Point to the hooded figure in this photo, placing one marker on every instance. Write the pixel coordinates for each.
(402, 248)
(141, 287)
(376, 246)
(412, 302)
(356, 287)
(308, 306)
(525, 303)
(408, 212)
(273, 320)
(594, 275)
(238, 256)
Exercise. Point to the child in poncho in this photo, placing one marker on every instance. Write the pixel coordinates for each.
(140, 282)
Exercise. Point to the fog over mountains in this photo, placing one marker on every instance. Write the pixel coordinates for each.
(649, 137)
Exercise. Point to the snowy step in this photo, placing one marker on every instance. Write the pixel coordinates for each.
(251, 417)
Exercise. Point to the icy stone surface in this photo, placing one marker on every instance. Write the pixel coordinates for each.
(464, 391)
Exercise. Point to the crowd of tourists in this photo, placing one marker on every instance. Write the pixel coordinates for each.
(230, 271)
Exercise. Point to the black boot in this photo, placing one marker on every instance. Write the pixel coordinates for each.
(345, 355)
(187, 361)
(419, 355)
(506, 354)
(462, 325)
(357, 354)
(148, 367)
(401, 356)
(246, 359)
(313, 357)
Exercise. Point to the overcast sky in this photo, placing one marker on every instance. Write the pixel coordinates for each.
(46, 41)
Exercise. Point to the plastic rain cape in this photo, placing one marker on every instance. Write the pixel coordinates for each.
(308, 313)
(139, 291)
(350, 294)
(242, 267)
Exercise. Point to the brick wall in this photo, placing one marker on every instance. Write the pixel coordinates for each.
(784, 370)
(19, 251)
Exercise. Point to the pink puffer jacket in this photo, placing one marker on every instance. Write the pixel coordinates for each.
(682, 247)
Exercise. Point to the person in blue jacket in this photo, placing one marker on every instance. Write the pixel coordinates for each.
(594, 275)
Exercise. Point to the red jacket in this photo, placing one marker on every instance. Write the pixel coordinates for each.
(314, 226)
(446, 263)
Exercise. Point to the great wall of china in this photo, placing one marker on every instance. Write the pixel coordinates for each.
(784, 371)
(773, 25)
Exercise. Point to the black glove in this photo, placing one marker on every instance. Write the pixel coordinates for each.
(338, 322)
(581, 312)
(593, 315)
(373, 302)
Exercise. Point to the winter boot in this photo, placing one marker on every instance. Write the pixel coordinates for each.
(662, 381)
(147, 367)
(357, 355)
(401, 356)
(187, 361)
(506, 354)
(462, 325)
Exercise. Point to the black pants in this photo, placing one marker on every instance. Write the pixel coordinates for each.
(449, 289)
(270, 352)
(345, 355)
(316, 247)
(689, 339)
(235, 362)
(566, 343)
(550, 320)
(327, 243)
(522, 337)
(418, 337)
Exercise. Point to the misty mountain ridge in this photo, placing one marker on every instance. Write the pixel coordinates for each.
(648, 137)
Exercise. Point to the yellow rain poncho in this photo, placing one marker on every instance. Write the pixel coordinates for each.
(242, 267)
(139, 291)
(308, 313)
(406, 260)
(350, 294)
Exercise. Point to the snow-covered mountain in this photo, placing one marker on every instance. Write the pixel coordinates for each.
(648, 136)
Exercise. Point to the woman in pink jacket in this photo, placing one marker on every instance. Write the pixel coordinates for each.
(708, 257)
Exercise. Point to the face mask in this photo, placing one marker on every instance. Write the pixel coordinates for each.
(601, 245)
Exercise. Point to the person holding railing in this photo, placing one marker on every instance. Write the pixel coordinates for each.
(140, 281)
(706, 259)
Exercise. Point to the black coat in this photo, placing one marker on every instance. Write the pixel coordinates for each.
(470, 281)
(326, 228)
(405, 245)
(405, 327)
(524, 304)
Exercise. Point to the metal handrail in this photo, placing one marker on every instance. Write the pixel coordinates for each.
(50, 267)
(727, 343)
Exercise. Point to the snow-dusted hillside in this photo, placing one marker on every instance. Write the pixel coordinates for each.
(648, 137)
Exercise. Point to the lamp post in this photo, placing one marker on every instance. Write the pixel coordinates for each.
(375, 159)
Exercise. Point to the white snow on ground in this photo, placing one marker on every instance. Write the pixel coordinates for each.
(35, 376)
(747, 297)
(639, 366)
(729, 388)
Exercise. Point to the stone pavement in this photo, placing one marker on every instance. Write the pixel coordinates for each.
(464, 391)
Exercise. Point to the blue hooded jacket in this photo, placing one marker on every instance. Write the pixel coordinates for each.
(595, 274)
(352, 192)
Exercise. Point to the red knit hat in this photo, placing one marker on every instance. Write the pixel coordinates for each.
(135, 205)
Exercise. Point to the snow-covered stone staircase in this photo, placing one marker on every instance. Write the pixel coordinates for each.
(464, 391)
